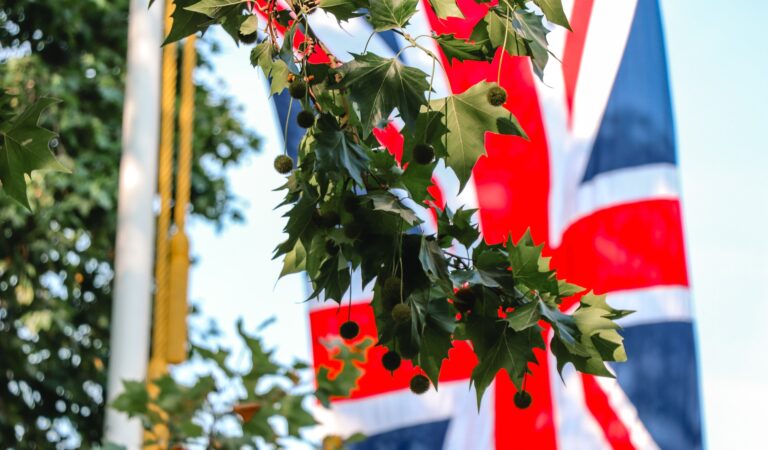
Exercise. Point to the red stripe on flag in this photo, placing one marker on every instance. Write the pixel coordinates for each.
(512, 184)
(574, 49)
(616, 433)
(629, 246)
(324, 324)
(526, 429)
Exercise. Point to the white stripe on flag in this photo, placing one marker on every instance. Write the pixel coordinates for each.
(576, 428)
(606, 39)
(653, 305)
(401, 409)
(620, 186)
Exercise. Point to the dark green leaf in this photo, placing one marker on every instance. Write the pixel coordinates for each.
(377, 86)
(524, 317)
(388, 14)
(25, 149)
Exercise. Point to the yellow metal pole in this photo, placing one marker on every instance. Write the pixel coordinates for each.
(178, 305)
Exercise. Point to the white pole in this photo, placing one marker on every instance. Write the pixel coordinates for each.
(131, 304)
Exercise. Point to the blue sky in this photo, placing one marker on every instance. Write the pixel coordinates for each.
(719, 72)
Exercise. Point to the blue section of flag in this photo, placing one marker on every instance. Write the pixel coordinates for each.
(637, 127)
(390, 38)
(660, 378)
(427, 436)
(295, 133)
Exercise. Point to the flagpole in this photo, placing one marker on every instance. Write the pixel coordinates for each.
(131, 304)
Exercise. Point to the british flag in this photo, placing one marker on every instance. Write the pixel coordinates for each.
(597, 181)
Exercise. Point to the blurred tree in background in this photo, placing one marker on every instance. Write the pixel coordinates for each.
(56, 264)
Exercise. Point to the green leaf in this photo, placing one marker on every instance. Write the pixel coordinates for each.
(299, 220)
(553, 9)
(214, 8)
(468, 116)
(388, 14)
(446, 8)
(344, 10)
(416, 179)
(432, 260)
(186, 22)
(336, 151)
(342, 382)
(250, 25)
(332, 280)
(524, 317)
(388, 202)
(529, 267)
(261, 359)
(275, 70)
(377, 86)
(291, 407)
(428, 129)
(436, 338)
(461, 49)
(592, 339)
(134, 399)
(519, 31)
(25, 149)
(500, 347)
(294, 261)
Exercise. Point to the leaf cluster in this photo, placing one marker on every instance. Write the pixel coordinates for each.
(353, 207)
(228, 406)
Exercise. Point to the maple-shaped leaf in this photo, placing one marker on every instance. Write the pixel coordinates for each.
(377, 86)
(597, 337)
(275, 70)
(261, 359)
(519, 31)
(299, 220)
(343, 381)
(463, 49)
(468, 116)
(388, 14)
(500, 347)
(186, 22)
(25, 149)
(446, 8)
(336, 151)
(296, 416)
(529, 267)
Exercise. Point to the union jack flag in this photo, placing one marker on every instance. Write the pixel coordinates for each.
(597, 181)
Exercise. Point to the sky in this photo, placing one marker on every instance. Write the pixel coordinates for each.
(718, 75)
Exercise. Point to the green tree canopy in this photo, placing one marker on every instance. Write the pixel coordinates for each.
(56, 264)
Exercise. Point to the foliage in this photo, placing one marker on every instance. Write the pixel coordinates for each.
(227, 407)
(24, 147)
(56, 264)
(353, 205)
